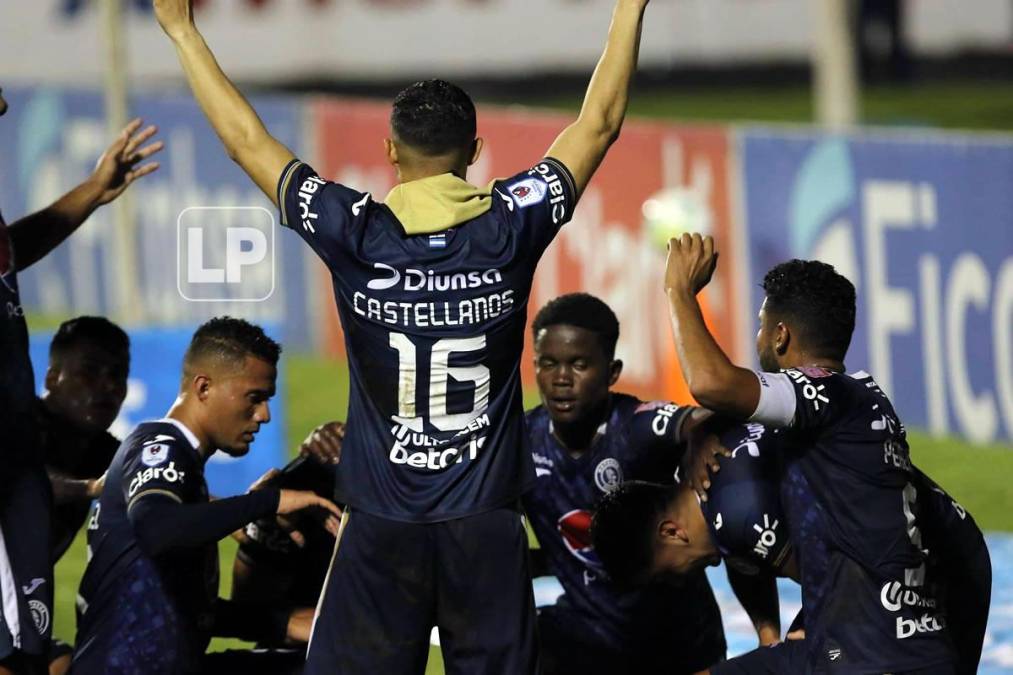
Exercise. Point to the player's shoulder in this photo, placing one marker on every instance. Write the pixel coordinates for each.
(303, 189)
(155, 442)
(547, 182)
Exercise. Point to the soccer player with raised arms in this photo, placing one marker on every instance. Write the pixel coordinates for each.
(432, 287)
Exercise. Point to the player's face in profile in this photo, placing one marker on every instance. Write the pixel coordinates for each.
(238, 406)
(87, 385)
(3, 103)
(765, 342)
(573, 372)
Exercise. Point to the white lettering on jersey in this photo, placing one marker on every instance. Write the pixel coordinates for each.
(768, 536)
(557, 196)
(169, 474)
(307, 191)
(659, 425)
(423, 280)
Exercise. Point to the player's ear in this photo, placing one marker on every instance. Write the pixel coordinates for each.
(52, 377)
(391, 151)
(202, 387)
(615, 370)
(782, 338)
(670, 533)
(476, 150)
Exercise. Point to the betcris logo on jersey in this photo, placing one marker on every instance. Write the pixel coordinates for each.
(420, 451)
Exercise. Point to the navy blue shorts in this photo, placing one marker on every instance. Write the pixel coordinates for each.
(390, 582)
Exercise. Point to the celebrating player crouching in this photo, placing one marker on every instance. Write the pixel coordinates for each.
(432, 287)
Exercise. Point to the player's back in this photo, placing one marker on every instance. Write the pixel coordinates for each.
(134, 608)
(854, 519)
(434, 326)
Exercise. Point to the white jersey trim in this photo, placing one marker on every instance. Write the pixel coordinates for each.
(190, 436)
(776, 407)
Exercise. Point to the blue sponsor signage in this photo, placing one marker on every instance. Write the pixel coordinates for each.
(924, 228)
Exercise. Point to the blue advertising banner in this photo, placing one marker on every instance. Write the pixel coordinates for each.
(156, 356)
(924, 228)
(50, 140)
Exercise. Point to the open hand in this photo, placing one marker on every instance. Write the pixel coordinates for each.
(298, 500)
(691, 263)
(118, 166)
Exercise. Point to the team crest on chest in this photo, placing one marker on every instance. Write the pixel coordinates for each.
(608, 475)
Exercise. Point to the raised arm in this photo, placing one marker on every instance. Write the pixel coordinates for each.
(714, 381)
(37, 234)
(245, 138)
(582, 145)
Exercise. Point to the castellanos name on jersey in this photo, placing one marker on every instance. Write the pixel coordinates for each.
(434, 337)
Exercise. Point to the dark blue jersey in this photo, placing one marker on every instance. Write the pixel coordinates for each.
(637, 441)
(434, 329)
(26, 573)
(132, 606)
(743, 509)
(855, 518)
(17, 381)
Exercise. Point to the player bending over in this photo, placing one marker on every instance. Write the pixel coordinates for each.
(847, 464)
(148, 600)
(648, 531)
(435, 459)
(585, 440)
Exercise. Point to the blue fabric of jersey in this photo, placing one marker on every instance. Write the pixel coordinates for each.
(434, 335)
(869, 598)
(131, 603)
(638, 441)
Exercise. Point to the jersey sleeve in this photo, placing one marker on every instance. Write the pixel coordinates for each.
(537, 202)
(321, 211)
(165, 468)
(801, 398)
(655, 429)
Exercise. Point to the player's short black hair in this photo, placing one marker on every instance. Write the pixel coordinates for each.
(231, 340)
(623, 526)
(582, 310)
(434, 117)
(817, 300)
(94, 330)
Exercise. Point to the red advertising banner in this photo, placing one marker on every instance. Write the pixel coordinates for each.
(654, 173)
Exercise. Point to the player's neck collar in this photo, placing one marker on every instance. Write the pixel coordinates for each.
(190, 436)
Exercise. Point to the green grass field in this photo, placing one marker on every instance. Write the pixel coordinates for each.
(975, 475)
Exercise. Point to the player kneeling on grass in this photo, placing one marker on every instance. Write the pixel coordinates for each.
(148, 600)
(586, 439)
(646, 531)
(857, 516)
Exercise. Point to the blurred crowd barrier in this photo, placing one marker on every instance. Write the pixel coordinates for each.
(271, 40)
(922, 222)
